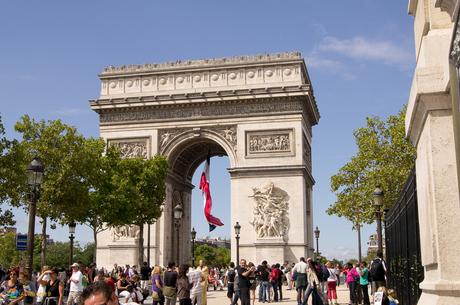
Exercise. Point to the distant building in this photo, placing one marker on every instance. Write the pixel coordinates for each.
(215, 242)
(6, 230)
(373, 245)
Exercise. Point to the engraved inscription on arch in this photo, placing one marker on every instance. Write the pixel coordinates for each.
(270, 143)
(132, 148)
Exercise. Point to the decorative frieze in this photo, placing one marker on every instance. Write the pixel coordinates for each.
(307, 153)
(191, 111)
(270, 211)
(131, 148)
(270, 142)
(227, 133)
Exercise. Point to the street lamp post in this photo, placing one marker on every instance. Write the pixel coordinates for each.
(72, 227)
(237, 228)
(177, 219)
(193, 246)
(34, 179)
(378, 204)
(317, 237)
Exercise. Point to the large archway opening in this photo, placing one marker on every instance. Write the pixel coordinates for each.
(187, 160)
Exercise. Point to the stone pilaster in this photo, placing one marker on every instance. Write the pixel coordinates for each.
(429, 125)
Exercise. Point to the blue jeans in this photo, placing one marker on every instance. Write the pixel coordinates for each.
(265, 291)
(275, 290)
(307, 294)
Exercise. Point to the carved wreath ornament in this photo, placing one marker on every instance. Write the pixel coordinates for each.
(270, 211)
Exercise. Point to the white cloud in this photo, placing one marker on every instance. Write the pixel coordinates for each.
(342, 253)
(332, 66)
(362, 48)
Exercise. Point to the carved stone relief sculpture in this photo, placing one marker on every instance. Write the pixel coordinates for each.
(270, 211)
(124, 232)
(132, 148)
(269, 142)
(228, 133)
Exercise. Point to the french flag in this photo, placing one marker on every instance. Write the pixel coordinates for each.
(207, 200)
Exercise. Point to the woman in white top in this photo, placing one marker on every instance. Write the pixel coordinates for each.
(331, 284)
(42, 281)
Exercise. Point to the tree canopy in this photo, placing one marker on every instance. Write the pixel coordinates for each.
(384, 158)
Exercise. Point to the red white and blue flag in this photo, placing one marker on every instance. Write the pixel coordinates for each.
(204, 187)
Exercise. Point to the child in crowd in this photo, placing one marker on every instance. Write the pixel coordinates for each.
(392, 297)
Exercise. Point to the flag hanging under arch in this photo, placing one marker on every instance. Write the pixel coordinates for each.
(207, 200)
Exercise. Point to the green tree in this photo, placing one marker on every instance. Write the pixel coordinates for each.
(8, 255)
(138, 188)
(212, 256)
(6, 169)
(384, 157)
(205, 253)
(68, 160)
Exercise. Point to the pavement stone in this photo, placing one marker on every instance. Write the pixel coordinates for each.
(220, 297)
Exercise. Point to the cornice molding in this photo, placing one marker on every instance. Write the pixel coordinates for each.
(201, 63)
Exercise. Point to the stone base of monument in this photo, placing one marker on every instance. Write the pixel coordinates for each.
(271, 249)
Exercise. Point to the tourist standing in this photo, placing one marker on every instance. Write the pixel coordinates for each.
(337, 272)
(244, 273)
(230, 279)
(274, 275)
(183, 286)
(145, 275)
(313, 285)
(331, 284)
(76, 285)
(236, 296)
(352, 281)
(300, 275)
(264, 282)
(170, 284)
(196, 292)
(253, 282)
(157, 286)
(55, 289)
(364, 282)
(42, 282)
(378, 271)
(204, 283)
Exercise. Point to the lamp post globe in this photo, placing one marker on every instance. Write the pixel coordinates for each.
(72, 226)
(193, 233)
(178, 211)
(237, 228)
(35, 172)
(317, 237)
(378, 204)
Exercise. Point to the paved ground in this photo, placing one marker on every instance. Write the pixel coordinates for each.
(220, 297)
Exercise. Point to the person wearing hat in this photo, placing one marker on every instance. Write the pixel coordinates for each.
(76, 286)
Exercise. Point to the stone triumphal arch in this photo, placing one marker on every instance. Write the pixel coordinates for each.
(257, 110)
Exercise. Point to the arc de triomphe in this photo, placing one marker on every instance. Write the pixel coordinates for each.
(257, 110)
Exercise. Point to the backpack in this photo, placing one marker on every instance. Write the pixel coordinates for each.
(320, 273)
(325, 273)
(377, 272)
(231, 276)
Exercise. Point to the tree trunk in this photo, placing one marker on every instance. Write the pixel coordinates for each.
(358, 227)
(141, 245)
(95, 243)
(43, 245)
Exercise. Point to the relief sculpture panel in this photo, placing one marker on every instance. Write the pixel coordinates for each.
(124, 232)
(131, 148)
(270, 142)
(270, 217)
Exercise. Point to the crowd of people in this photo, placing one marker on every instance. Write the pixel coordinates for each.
(186, 285)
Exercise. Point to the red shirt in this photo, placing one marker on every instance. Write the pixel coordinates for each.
(111, 283)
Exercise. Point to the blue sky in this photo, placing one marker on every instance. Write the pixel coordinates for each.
(359, 54)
